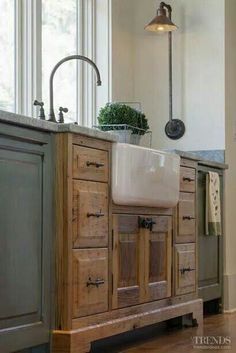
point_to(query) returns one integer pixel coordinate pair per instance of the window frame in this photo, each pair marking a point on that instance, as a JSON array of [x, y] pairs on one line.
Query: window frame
[[28, 57]]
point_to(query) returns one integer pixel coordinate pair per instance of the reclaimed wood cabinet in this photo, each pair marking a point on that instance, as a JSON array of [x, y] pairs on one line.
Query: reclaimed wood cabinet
[[185, 268], [118, 268], [185, 249], [90, 214], [186, 218], [141, 259], [90, 282], [76, 268], [26, 238]]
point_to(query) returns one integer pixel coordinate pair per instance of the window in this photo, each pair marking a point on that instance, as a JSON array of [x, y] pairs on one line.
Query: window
[[40, 33], [59, 39], [7, 50]]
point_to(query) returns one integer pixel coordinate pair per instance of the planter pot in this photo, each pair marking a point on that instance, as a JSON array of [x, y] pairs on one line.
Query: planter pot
[[135, 139], [123, 135]]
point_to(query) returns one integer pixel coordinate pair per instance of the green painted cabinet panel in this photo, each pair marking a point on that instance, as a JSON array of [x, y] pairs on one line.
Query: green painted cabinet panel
[[21, 220], [210, 248], [25, 238], [39, 349]]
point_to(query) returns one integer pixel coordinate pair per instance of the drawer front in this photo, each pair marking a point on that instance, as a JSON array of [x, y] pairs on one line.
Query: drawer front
[[186, 218], [90, 214], [185, 268], [187, 179], [90, 282], [90, 164]]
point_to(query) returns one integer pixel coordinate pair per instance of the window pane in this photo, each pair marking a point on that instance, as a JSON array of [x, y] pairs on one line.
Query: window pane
[[7, 57], [59, 40]]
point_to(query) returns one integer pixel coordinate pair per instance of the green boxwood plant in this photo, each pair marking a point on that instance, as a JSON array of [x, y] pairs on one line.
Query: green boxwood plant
[[116, 114]]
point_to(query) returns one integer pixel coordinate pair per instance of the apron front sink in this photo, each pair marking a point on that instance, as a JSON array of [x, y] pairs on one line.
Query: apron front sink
[[144, 177]]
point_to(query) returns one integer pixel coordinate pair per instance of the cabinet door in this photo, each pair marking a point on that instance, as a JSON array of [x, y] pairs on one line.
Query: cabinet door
[[210, 248], [25, 238], [141, 259], [90, 281], [90, 214], [158, 258], [128, 262], [185, 268]]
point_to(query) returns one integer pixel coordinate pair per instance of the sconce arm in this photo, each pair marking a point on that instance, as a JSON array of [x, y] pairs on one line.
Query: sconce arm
[[167, 6]]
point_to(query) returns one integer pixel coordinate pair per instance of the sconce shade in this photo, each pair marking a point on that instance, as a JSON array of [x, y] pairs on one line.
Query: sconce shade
[[161, 23]]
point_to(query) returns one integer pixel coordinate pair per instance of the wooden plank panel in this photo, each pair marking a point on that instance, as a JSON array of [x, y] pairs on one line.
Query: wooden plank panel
[[63, 249], [126, 261], [188, 163], [132, 310], [116, 209], [158, 255], [90, 164], [90, 266], [75, 341], [185, 268], [187, 179], [87, 141], [90, 214], [186, 219]]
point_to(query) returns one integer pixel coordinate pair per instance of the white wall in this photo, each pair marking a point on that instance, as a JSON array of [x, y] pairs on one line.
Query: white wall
[[198, 63], [230, 185], [204, 86], [122, 51]]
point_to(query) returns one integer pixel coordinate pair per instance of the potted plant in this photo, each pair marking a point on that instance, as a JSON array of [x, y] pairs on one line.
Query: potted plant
[[124, 120]]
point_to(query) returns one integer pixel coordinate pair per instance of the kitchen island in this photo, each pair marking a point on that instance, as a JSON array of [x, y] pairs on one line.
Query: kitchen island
[[76, 267]]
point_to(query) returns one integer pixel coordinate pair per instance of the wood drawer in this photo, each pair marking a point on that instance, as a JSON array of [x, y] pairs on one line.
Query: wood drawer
[[90, 164], [186, 219], [185, 268], [187, 179], [90, 214], [90, 282]]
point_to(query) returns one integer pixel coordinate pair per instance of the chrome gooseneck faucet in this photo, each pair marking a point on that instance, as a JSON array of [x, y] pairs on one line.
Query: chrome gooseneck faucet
[[52, 117]]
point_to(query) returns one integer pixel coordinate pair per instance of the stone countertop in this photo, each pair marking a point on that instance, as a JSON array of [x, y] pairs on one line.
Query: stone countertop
[[201, 160], [91, 132], [37, 124]]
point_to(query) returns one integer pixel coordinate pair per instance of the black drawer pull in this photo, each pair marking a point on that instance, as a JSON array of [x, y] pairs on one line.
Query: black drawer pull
[[95, 164], [96, 214], [188, 218], [188, 179], [188, 269], [96, 283]]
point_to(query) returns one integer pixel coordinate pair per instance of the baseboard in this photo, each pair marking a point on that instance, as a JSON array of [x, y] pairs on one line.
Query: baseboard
[[230, 311], [229, 293], [79, 340]]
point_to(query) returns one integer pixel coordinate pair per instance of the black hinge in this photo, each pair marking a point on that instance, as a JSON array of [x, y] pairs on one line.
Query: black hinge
[[112, 239], [112, 283]]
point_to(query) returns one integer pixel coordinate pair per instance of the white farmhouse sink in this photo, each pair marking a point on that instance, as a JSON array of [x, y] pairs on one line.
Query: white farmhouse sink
[[144, 177]]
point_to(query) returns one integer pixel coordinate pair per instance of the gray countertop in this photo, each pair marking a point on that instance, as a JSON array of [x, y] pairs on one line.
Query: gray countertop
[[201, 160], [37, 124]]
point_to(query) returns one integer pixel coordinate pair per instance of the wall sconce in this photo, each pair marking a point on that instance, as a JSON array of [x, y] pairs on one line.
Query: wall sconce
[[175, 128]]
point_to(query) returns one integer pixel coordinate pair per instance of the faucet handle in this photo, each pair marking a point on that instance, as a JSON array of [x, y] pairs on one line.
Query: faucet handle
[[61, 116], [41, 110]]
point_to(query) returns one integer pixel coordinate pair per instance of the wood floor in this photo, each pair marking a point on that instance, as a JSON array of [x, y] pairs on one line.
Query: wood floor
[[179, 340]]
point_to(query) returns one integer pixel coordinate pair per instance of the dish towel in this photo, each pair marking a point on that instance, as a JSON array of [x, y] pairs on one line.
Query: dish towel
[[213, 206]]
